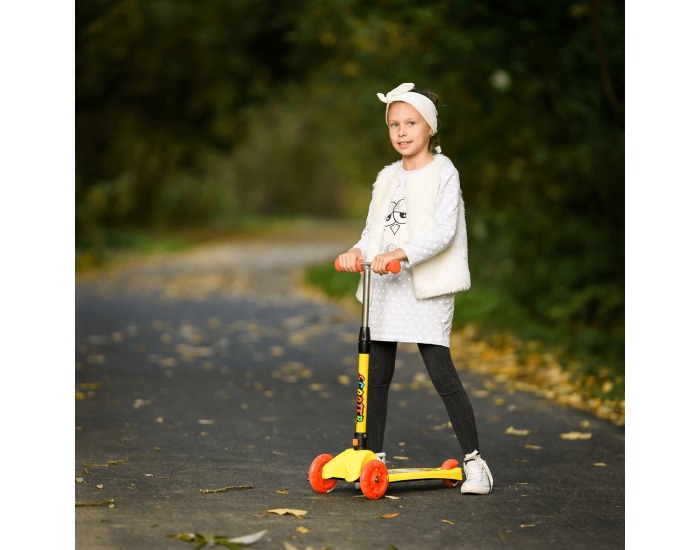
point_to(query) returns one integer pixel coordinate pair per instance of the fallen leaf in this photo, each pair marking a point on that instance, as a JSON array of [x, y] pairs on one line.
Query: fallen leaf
[[576, 435], [108, 463], [513, 431], [229, 488], [249, 539], [212, 540], [205, 421], [601, 464], [79, 480], [526, 525], [109, 502], [390, 497], [282, 492], [289, 546], [389, 516], [303, 530], [535, 447], [100, 486], [299, 514], [400, 458], [447, 521]]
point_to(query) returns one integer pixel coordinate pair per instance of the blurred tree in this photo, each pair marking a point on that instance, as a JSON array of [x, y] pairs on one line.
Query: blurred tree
[[159, 85]]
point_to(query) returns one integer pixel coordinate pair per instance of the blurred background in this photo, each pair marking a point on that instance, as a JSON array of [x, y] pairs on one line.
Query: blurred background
[[214, 114]]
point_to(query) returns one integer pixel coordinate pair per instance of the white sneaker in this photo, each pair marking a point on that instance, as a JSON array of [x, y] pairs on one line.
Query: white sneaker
[[380, 456], [479, 479]]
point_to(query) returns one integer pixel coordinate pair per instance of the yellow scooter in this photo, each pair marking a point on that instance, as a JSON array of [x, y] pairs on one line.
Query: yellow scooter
[[359, 463]]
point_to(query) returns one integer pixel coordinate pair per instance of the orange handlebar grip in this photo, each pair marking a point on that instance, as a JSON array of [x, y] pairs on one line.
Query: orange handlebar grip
[[394, 266]]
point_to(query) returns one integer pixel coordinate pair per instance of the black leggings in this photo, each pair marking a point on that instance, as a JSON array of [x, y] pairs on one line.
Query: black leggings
[[445, 379]]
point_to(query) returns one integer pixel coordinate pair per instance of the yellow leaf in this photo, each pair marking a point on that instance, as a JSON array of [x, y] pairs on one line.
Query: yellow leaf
[[389, 516], [299, 514], [447, 521], [601, 464], [535, 447], [514, 431], [576, 435], [526, 525], [303, 530]]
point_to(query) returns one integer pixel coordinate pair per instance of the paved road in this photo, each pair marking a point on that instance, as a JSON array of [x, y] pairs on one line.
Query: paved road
[[209, 370]]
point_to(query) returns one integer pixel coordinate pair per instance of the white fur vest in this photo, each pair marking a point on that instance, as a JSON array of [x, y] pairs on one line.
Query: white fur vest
[[448, 271]]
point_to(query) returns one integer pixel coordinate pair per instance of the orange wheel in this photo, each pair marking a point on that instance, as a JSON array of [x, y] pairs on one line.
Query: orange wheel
[[319, 484], [374, 479], [448, 465]]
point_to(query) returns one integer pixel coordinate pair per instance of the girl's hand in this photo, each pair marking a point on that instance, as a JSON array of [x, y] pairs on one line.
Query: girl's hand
[[348, 261], [380, 261]]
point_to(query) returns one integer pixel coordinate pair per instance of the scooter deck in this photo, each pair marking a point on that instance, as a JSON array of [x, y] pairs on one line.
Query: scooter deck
[[412, 474]]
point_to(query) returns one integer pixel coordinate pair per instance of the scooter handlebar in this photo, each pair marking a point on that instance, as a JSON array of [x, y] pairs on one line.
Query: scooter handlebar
[[393, 266]]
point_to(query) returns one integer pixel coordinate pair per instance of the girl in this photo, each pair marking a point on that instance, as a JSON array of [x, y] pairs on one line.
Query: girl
[[416, 215]]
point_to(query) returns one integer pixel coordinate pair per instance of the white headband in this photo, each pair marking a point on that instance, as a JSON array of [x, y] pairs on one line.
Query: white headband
[[422, 103]]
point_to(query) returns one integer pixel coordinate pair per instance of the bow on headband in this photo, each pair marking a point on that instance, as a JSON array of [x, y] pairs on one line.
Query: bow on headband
[[422, 103]]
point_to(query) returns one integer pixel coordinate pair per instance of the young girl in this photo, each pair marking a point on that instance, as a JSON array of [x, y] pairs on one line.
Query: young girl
[[416, 215]]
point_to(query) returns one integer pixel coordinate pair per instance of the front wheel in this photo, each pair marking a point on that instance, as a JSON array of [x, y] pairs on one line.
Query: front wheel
[[316, 479], [374, 479], [448, 465]]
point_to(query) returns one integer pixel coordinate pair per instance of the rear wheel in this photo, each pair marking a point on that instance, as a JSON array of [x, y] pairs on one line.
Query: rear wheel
[[448, 465], [316, 479], [374, 479]]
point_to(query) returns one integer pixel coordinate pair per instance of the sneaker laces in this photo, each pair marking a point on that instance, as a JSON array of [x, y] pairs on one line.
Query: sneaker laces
[[482, 471]]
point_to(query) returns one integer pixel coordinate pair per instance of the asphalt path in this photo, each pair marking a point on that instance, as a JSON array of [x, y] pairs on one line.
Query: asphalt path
[[207, 382]]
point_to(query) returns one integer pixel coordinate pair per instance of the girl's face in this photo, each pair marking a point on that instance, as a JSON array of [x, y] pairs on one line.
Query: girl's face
[[408, 130]]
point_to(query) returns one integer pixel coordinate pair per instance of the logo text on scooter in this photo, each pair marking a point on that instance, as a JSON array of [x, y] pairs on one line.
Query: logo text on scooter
[[360, 397]]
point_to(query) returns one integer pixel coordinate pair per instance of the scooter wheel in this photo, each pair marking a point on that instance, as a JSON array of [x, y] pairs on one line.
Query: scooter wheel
[[318, 483], [448, 465], [374, 479]]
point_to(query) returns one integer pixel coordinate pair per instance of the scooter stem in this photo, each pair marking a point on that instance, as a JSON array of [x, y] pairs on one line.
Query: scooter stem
[[359, 440]]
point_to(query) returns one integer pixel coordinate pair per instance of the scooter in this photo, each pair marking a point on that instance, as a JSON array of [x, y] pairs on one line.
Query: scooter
[[359, 463]]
